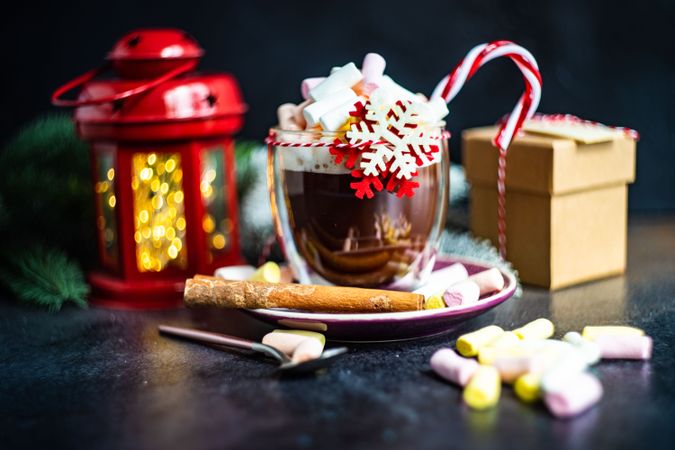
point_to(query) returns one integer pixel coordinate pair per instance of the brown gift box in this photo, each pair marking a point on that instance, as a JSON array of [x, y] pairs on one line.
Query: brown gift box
[[566, 204]]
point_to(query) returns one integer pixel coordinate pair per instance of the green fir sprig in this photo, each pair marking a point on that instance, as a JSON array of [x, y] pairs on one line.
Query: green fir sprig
[[46, 214], [44, 277]]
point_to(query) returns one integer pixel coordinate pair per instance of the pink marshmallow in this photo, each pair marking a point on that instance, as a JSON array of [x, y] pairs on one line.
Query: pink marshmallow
[[488, 281], [373, 68], [307, 350], [511, 367], [308, 84], [625, 347], [286, 116], [462, 293], [450, 366], [575, 397]]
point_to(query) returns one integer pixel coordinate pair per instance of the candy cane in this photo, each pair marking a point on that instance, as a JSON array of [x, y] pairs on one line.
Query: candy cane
[[450, 86]]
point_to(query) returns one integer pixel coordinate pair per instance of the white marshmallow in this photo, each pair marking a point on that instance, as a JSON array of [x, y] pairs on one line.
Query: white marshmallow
[[335, 119], [308, 349], [567, 366], [373, 68], [440, 280], [397, 91], [314, 111], [590, 350], [343, 78], [308, 84], [235, 272], [434, 110], [285, 342]]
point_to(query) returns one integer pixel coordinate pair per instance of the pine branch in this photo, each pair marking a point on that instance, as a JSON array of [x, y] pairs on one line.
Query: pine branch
[[44, 277]]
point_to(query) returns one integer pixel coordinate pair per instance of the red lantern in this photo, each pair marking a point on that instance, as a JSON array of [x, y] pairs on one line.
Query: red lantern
[[163, 167]]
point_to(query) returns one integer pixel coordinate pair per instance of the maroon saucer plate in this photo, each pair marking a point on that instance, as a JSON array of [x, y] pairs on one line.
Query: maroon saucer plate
[[396, 326]]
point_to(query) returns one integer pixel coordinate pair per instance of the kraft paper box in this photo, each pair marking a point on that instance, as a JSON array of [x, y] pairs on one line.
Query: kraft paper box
[[566, 204]]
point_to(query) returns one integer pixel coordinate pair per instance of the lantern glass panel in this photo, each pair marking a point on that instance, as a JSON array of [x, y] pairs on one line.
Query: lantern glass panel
[[159, 211], [216, 223], [106, 203]]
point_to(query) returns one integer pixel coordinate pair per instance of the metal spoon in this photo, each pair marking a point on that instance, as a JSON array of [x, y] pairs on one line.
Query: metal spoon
[[286, 364]]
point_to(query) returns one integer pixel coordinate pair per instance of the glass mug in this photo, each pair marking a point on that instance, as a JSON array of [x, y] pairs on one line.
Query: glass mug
[[329, 236]]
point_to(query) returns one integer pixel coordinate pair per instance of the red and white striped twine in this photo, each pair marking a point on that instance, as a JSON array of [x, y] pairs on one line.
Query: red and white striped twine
[[272, 140], [450, 86], [633, 134]]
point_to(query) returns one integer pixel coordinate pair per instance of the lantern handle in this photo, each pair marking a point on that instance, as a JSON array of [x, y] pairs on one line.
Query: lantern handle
[[87, 76]]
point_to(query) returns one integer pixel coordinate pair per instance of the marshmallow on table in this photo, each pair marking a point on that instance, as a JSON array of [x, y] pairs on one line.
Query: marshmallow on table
[[488, 281], [463, 293], [307, 350], [527, 388], [576, 396], [373, 68], [337, 117], [625, 347], [567, 366], [589, 349], [286, 117], [483, 389], [510, 367], [284, 342], [592, 332], [314, 111], [449, 365], [537, 329], [470, 343], [343, 78], [507, 342], [440, 280], [308, 84], [288, 341]]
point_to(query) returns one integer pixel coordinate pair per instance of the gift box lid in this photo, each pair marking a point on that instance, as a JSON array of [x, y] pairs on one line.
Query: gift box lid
[[549, 165]]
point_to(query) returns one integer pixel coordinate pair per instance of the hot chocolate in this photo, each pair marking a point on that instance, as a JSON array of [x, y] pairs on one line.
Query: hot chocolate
[[360, 242]]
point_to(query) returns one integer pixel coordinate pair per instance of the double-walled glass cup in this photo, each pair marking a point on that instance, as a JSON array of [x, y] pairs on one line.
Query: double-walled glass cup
[[329, 236]]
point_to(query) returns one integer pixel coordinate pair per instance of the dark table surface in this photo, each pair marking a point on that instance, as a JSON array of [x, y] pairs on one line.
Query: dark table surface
[[105, 379]]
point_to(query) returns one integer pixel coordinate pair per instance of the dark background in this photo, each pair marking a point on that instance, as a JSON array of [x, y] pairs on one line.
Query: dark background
[[612, 62]]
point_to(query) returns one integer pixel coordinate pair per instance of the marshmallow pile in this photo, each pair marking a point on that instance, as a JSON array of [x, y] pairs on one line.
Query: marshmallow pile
[[328, 101], [452, 286], [537, 366]]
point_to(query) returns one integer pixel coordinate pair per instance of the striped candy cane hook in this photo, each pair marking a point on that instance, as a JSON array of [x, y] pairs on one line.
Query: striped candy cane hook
[[450, 86]]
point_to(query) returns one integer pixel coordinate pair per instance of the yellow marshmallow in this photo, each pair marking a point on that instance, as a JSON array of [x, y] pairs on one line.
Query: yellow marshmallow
[[592, 332], [537, 329], [269, 272], [483, 389], [527, 387], [508, 339], [506, 343], [434, 302], [470, 343]]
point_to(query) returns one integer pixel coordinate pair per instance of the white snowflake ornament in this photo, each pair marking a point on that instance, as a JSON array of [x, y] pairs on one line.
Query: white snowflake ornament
[[393, 139]]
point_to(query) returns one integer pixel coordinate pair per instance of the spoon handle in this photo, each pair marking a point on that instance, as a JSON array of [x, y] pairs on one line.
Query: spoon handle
[[211, 338]]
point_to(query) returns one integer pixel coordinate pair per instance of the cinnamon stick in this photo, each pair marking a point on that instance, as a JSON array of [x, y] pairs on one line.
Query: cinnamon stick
[[203, 290]]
